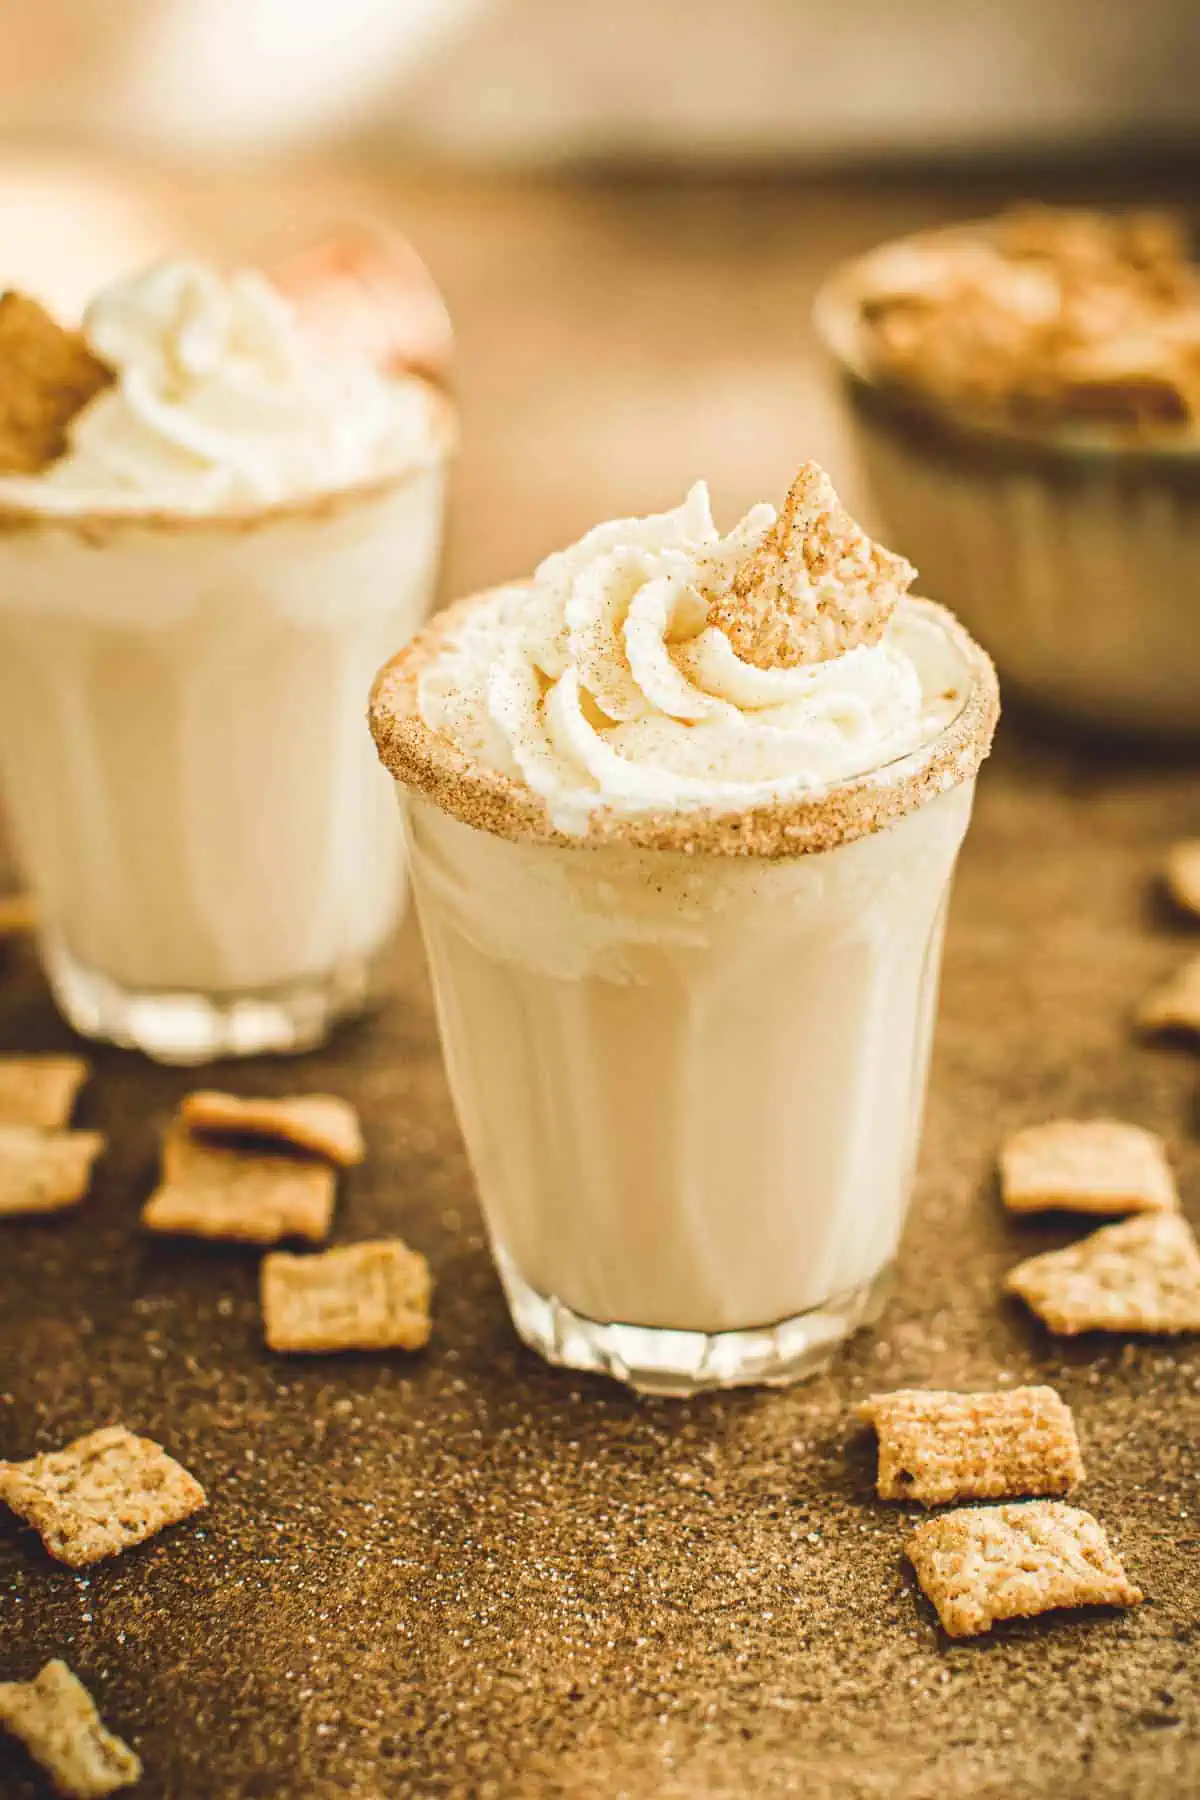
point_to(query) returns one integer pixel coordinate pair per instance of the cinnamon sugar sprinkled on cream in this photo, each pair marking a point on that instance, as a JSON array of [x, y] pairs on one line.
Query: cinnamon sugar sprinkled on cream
[[600, 702]]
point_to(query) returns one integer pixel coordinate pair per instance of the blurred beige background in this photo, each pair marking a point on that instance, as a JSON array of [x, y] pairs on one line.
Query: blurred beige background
[[546, 80]]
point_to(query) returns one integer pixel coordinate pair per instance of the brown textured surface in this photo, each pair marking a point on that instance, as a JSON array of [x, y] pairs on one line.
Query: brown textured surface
[[463, 1574]]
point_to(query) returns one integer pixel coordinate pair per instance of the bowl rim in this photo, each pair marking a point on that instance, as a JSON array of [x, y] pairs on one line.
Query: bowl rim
[[836, 311]]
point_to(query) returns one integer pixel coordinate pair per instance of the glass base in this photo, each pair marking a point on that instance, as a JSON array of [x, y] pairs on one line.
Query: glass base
[[188, 1028], [682, 1363]]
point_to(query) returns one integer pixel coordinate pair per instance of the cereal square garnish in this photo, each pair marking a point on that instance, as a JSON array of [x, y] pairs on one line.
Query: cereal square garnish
[[55, 1718], [39, 1090], [814, 587], [372, 1296], [16, 915], [1182, 874], [224, 1192], [321, 1124], [47, 375], [936, 1447], [1174, 1005], [1140, 1275], [102, 1494], [985, 1563], [44, 1171], [1086, 1165]]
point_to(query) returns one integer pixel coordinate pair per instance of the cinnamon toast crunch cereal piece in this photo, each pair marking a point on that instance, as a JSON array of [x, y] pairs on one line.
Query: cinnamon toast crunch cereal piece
[[1181, 872], [55, 1718], [371, 1296], [814, 587], [47, 375], [1086, 1165], [40, 1090], [100, 1495], [1175, 1004], [984, 1563], [936, 1447], [224, 1192], [44, 1171], [322, 1124], [1140, 1275]]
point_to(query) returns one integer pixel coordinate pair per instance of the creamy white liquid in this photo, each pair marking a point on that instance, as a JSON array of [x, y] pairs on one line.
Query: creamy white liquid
[[690, 1087], [183, 755]]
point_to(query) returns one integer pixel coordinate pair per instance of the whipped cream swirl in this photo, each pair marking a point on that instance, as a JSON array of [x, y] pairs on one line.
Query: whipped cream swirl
[[220, 401], [602, 683]]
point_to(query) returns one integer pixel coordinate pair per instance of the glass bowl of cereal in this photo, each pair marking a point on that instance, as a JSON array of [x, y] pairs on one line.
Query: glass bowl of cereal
[[1025, 393]]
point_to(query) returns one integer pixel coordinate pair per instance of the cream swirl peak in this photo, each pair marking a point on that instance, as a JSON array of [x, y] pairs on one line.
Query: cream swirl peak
[[606, 683], [221, 401]]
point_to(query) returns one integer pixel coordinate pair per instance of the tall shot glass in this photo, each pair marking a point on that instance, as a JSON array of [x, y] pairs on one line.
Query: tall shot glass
[[212, 848], [690, 1078]]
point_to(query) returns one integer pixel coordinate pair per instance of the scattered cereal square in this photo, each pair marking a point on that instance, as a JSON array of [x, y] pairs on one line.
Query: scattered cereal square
[[44, 1171], [1086, 1165], [40, 1090], [1175, 1004], [100, 1495], [321, 1124], [1140, 1275], [55, 1718], [936, 1447], [371, 1296], [224, 1192], [985, 1563]]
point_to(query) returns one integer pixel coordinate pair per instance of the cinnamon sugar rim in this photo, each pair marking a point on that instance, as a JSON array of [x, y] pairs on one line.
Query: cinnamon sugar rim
[[102, 521], [430, 764], [837, 317]]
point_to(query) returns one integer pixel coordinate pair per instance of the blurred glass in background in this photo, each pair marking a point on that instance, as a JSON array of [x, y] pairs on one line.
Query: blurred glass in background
[[544, 80], [621, 333]]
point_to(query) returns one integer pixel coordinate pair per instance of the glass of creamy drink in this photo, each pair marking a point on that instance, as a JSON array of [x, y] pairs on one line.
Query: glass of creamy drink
[[683, 812], [194, 595]]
